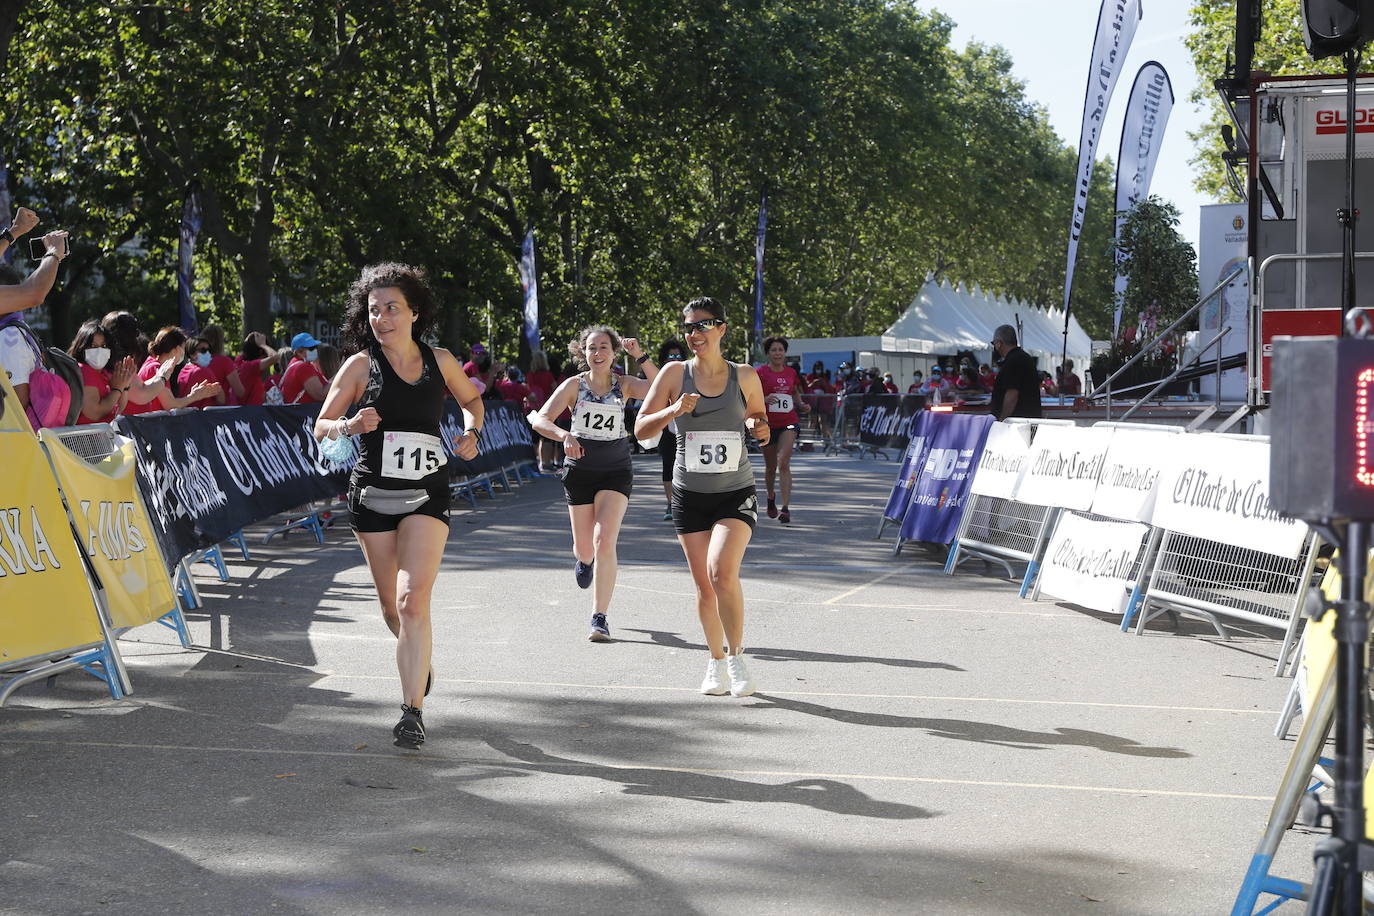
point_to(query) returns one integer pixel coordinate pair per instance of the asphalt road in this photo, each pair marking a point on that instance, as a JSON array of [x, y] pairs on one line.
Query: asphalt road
[[919, 743]]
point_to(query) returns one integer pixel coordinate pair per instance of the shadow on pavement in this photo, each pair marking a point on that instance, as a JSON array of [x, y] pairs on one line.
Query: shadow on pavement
[[673, 641]]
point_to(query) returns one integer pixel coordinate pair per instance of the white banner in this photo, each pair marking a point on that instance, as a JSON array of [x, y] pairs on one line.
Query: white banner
[[1089, 562], [1003, 460], [1116, 25], [1142, 134], [1218, 488], [1065, 462], [1223, 245], [1130, 475]]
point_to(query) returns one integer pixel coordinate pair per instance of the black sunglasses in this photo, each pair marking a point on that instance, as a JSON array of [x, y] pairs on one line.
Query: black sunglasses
[[705, 324], [203, 350]]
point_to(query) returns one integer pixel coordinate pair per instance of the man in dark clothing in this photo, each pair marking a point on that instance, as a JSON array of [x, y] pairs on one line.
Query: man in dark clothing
[[1016, 393]]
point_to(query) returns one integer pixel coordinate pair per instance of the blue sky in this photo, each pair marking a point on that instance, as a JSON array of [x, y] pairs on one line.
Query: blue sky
[[1050, 41]]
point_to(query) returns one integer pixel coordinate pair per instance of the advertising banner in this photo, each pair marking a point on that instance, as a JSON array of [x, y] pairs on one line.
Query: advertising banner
[[912, 462], [1004, 458], [115, 530], [529, 287], [46, 604], [1142, 134], [186, 266], [1116, 24], [953, 445], [1223, 238], [1130, 475], [1089, 562], [1064, 464], [1218, 488], [885, 420]]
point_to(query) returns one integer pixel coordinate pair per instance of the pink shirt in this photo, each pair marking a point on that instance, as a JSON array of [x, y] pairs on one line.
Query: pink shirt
[[786, 383], [98, 379]]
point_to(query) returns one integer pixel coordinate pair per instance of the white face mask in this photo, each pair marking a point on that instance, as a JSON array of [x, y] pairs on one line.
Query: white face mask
[[203, 359], [311, 355], [97, 357]]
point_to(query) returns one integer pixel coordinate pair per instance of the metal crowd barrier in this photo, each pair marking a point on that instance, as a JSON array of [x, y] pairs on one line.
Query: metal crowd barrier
[[1004, 531]]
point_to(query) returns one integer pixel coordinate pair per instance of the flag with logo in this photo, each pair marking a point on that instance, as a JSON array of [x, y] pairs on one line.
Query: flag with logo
[[186, 265], [1142, 134]]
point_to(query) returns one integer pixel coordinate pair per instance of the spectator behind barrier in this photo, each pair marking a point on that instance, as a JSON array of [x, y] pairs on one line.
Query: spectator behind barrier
[[200, 371], [221, 365], [540, 379], [917, 380], [105, 386], [253, 366], [1069, 383], [303, 383], [330, 360], [1016, 393], [986, 377], [165, 353], [127, 342]]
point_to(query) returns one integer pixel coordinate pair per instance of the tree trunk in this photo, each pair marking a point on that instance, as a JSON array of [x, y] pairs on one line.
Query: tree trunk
[[255, 291]]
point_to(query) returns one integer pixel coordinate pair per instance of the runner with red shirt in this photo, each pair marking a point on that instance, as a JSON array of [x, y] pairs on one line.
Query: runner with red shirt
[[782, 392]]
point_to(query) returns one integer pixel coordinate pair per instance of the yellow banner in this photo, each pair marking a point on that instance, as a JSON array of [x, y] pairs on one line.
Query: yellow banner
[[12, 416], [115, 530], [45, 601]]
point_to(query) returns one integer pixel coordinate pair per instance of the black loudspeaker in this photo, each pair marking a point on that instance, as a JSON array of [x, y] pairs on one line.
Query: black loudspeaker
[[1332, 27]]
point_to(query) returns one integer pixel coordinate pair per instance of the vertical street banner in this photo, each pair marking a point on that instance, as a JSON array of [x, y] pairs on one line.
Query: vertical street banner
[[1116, 24], [953, 445], [115, 530], [1142, 134], [758, 269], [186, 265], [46, 605], [529, 285]]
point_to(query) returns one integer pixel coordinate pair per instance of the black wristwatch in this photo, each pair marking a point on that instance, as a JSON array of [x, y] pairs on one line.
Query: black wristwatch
[[6, 235], [644, 358], [476, 434]]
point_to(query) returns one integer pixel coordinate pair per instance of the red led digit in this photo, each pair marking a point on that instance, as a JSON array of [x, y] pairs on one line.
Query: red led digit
[[1364, 385]]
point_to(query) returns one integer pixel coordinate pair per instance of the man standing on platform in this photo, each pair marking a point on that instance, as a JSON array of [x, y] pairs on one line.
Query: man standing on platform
[[1016, 393]]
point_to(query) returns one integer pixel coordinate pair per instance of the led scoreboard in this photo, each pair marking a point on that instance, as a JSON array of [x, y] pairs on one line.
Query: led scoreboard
[[1321, 464]]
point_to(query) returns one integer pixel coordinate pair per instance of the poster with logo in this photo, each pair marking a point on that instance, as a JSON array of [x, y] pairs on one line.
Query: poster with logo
[[46, 604], [1064, 464], [1003, 460], [1090, 562], [1222, 241], [1218, 488], [914, 460], [115, 530], [954, 443], [1130, 475]]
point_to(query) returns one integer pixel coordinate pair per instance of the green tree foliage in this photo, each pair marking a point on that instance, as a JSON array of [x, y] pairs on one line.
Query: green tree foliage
[[1159, 265], [636, 140]]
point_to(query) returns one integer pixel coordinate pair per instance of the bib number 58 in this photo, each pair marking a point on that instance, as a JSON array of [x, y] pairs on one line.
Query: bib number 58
[[714, 454]]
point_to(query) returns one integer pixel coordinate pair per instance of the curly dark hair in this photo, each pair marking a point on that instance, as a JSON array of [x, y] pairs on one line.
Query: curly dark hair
[[413, 284], [123, 336], [672, 343], [576, 346]]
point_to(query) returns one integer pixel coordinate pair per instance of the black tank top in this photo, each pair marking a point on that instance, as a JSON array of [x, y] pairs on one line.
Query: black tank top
[[398, 454]]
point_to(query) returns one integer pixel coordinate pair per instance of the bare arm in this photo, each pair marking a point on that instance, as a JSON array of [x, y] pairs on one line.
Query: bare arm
[[756, 412], [468, 398], [346, 389], [542, 420], [1009, 399], [638, 387], [664, 401]]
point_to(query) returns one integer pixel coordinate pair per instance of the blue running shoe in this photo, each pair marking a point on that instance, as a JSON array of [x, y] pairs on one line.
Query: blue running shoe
[[601, 632], [583, 572]]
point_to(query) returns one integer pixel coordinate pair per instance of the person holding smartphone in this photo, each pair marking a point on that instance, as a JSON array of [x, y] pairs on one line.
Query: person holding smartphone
[[714, 403], [597, 475]]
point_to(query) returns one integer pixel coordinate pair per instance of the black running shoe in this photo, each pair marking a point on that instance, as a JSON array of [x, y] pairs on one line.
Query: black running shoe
[[785, 516], [601, 631], [583, 572], [410, 731], [772, 508]]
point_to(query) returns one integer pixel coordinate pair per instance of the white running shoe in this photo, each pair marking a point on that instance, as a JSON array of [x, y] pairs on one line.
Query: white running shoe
[[717, 682], [741, 684]]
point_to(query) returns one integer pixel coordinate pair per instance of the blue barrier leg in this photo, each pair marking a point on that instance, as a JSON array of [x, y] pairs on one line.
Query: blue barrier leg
[[1029, 578], [215, 557], [176, 620], [1258, 881], [241, 542], [953, 558], [1132, 607]]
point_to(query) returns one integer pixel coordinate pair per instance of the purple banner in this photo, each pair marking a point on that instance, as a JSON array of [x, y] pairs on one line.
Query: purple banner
[[954, 443], [186, 250], [529, 286], [915, 459]]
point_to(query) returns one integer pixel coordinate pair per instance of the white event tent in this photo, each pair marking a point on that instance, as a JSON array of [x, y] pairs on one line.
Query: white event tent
[[943, 320]]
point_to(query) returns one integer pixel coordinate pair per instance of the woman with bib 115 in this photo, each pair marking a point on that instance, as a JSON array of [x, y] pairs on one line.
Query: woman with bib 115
[[398, 494], [715, 403], [597, 476]]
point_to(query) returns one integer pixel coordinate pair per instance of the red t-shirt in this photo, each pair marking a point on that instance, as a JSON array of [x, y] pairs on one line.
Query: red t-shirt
[[779, 390], [147, 371], [192, 375], [513, 391], [294, 379], [98, 379], [250, 376], [221, 366], [541, 385]]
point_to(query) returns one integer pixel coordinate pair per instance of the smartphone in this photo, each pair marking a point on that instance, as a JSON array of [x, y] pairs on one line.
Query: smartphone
[[37, 249]]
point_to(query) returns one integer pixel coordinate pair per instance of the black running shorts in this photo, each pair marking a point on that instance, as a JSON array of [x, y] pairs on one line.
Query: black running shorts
[[693, 511], [777, 431], [369, 521], [581, 486]]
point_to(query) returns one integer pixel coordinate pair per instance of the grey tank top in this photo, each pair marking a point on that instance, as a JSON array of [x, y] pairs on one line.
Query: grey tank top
[[607, 448], [700, 469]]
